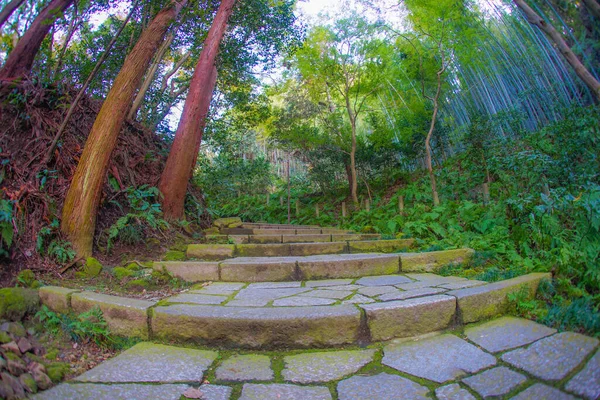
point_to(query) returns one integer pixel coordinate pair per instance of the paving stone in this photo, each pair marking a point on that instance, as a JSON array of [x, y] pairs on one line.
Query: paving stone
[[482, 302], [251, 367], [309, 249], [410, 294], [268, 294], [440, 359], [299, 301], [264, 239], [215, 392], [248, 303], [377, 290], [507, 333], [263, 250], [404, 318], [495, 382], [56, 298], [190, 271], [238, 239], [433, 260], [415, 285], [587, 382], [325, 366], [453, 392], [540, 391], [258, 269], [310, 238], [148, 362], [210, 252], [344, 287], [225, 288], [328, 282], [274, 285], [253, 391], [462, 285], [380, 246], [385, 280], [124, 316], [88, 391], [328, 294], [335, 237], [554, 357], [258, 327], [358, 299], [380, 387], [347, 265], [434, 278], [197, 298]]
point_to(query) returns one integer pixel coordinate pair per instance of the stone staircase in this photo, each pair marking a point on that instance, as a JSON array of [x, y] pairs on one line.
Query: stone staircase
[[344, 301]]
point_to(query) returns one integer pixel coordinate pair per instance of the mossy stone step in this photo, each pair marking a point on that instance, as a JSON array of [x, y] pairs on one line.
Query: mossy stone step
[[283, 231], [224, 251], [301, 238]]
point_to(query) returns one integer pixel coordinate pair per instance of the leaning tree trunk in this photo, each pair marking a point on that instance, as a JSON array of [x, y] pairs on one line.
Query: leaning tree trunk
[[81, 204], [584, 74], [186, 146], [594, 7], [20, 60], [8, 10]]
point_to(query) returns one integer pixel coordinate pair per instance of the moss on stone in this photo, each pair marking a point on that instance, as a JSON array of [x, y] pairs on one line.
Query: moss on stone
[[92, 268], [57, 371], [133, 267], [174, 255], [232, 222], [26, 278], [51, 354], [138, 284], [28, 383], [15, 303], [121, 272]]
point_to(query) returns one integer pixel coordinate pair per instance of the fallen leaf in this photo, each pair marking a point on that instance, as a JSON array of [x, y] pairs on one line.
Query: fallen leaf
[[193, 393]]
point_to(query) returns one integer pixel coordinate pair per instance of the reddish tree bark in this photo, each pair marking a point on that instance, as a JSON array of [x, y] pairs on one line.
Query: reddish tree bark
[[184, 152], [81, 204], [20, 60], [8, 10]]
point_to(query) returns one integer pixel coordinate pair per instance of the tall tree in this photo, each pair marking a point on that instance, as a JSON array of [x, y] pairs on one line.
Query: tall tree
[[184, 152], [20, 60], [582, 72], [8, 10], [82, 200]]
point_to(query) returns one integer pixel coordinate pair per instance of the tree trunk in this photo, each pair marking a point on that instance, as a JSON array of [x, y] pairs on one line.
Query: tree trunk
[[594, 7], [63, 51], [349, 176], [8, 10], [184, 152], [580, 69], [20, 60], [81, 204], [352, 116]]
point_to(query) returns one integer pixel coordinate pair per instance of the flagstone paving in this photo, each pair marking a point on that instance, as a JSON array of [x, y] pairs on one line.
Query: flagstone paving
[[507, 358]]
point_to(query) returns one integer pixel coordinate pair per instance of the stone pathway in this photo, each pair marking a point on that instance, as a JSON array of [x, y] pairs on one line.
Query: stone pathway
[[504, 358]]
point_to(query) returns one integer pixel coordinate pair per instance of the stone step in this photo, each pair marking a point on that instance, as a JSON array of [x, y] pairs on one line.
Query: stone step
[[260, 225], [309, 314], [295, 238], [283, 231], [295, 268], [212, 252]]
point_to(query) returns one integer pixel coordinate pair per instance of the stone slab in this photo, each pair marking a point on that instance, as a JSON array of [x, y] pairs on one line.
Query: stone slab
[[587, 381], [274, 285], [299, 301], [495, 382], [275, 231], [328, 282], [358, 299], [340, 237], [440, 359], [190, 271], [453, 392], [328, 294], [195, 298], [264, 239], [409, 294], [380, 387], [404, 318], [309, 249], [210, 252], [380, 246], [377, 290], [258, 327], [387, 280], [325, 366], [56, 298], [432, 261], [483, 302], [263, 269], [149, 362], [239, 368], [462, 285], [540, 391], [240, 239], [225, 288], [312, 238], [507, 333], [275, 391], [262, 250], [554, 357], [347, 265], [88, 391], [124, 316]]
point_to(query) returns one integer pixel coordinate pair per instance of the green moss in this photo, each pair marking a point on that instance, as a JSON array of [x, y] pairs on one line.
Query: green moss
[[15, 303], [137, 284], [92, 268], [133, 267], [28, 382], [51, 354], [121, 272], [26, 278], [57, 371], [174, 255]]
